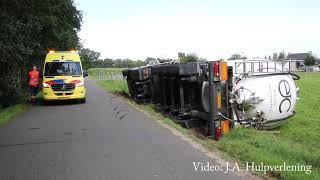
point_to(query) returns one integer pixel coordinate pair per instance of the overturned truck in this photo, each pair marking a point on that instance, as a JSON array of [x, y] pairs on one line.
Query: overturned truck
[[218, 95]]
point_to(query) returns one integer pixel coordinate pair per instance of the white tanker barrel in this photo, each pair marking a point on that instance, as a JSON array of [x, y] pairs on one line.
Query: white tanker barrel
[[267, 100], [264, 101]]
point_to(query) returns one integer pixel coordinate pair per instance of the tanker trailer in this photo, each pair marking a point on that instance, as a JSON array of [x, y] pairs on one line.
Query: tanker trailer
[[214, 95]]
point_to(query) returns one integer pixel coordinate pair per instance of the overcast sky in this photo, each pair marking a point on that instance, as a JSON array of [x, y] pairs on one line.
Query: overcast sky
[[213, 29]]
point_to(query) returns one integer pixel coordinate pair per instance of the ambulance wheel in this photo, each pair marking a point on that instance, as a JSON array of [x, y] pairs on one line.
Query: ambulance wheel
[[44, 102], [83, 100]]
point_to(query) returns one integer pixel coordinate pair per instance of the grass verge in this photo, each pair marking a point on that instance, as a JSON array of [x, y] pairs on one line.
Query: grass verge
[[10, 112], [297, 144], [114, 86]]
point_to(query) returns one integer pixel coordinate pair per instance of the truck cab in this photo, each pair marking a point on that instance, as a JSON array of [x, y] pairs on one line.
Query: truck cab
[[63, 77]]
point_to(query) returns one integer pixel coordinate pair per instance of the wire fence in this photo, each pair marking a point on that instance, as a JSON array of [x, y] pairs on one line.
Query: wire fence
[[103, 75]]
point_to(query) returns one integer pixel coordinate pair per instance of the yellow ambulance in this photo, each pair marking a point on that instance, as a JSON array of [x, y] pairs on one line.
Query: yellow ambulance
[[63, 77]]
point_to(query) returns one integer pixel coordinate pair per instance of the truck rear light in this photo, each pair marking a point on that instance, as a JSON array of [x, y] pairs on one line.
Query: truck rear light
[[216, 69], [218, 133], [225, 126], [224, 71]]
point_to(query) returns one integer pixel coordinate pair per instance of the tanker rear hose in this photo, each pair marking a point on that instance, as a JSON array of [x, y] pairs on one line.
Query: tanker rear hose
[[232, 120]]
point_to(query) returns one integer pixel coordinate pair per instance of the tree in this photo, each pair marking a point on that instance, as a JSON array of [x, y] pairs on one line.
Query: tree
[[281, 55], [310, 60], [275, 56], [88, 57], [235, 56], [149, 59], [183, 58], [139, 63], [108, 63], [203, 59], [28, 29]]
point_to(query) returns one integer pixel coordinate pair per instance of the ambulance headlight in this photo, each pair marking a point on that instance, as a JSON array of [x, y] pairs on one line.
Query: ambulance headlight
[[45, 85], [79, 84]]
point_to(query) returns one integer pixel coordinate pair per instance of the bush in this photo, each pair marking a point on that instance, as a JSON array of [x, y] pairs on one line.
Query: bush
[[310, 60], [10, 95]]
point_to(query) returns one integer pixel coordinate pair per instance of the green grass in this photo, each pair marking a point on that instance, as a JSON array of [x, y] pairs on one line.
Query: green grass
[[119, 86], [298, 141], [304, 127], [10, 112]]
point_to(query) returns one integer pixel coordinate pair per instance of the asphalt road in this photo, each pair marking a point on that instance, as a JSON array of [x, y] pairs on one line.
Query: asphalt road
[[100, 140]]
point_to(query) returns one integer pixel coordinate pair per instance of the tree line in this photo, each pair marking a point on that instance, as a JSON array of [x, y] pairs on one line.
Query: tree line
[[92, 59], [29, 28]]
